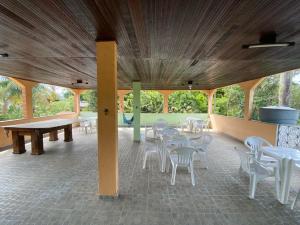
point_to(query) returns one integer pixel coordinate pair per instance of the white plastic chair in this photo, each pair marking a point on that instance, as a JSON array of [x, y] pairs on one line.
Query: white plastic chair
[[245, 157], [257, 171], [184, 125], [169, 131], [254, 144], [182, 157], [201, 146], [168, 143], [199, 126], [94, 125], [150, 148], [84, 125], [158, 126]]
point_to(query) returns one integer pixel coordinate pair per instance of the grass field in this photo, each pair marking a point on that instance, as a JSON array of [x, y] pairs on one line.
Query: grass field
[[149, 118]]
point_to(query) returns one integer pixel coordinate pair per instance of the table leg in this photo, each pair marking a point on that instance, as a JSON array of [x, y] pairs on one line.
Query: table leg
[[37, 147], [18, 143], [53, 136], [68, 133], [285, 176]]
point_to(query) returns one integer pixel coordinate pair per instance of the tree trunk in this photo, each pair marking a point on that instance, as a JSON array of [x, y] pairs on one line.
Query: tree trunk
[[285, 88], [5, 107]]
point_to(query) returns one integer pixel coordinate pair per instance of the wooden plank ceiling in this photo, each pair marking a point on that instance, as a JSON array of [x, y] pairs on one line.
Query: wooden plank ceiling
[[162, 43]]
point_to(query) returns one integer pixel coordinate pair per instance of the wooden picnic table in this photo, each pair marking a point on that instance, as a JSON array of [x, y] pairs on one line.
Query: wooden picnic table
[[36, 131]]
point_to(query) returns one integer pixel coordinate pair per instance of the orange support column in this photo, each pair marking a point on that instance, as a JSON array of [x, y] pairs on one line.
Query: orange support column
[[121, 94], [27, 87], [121, 102], [249, 88], [166, 94], [210, 98], [107, 118], [76, 100], [166, 103]]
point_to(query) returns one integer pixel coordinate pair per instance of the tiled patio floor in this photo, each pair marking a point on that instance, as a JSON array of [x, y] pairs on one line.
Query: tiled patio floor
[[60, 187]]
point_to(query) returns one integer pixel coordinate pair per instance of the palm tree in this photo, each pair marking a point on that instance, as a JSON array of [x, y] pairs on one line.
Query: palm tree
[[10, 94]]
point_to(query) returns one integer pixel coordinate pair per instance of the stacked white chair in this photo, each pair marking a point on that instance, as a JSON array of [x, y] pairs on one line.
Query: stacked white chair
[[199, 126], [182, 157], [257, 171], [254, 143]]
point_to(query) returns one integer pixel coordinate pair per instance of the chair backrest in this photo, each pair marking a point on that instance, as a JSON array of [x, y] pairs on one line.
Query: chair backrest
[[254, 143], [175, 141], [245, 159], [184, 155], [201, 142], [160, 124], [205, 141], [168, 131]]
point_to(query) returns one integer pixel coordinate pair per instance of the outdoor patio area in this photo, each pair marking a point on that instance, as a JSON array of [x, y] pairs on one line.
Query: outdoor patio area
[[60, 187]]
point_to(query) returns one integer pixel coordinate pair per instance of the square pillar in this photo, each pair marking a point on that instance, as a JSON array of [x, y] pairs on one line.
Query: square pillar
[[121, 103], [249, 88], [136, 86], [27, 87], [166, 103], [76, 100], [106, 52], [210, 100]]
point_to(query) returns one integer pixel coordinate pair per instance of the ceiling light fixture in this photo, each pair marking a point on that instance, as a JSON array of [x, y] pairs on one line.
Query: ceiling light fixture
[[3, 55], [268, 40], [190, 84], [80, 83]]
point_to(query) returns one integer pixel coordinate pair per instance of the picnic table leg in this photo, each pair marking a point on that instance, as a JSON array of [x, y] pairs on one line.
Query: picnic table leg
[[68, 133], [37, 146], [18, 143], [286, 173], [53, 135]]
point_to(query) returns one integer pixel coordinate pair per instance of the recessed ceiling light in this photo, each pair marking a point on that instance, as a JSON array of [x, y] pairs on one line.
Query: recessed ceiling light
[[268, 40], [4, 55]]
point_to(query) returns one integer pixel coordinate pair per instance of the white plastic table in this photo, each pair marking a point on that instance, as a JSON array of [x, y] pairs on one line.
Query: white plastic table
[[287, 158]]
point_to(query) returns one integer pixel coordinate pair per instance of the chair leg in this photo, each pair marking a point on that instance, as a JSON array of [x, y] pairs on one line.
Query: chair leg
[[174, 168], [192, 175], [206, 162], [145, 160], [168, 166], [252, 186], [277, 183], [296, 199]]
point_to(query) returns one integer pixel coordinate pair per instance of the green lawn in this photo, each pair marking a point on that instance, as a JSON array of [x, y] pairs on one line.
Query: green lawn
[[149, 118]]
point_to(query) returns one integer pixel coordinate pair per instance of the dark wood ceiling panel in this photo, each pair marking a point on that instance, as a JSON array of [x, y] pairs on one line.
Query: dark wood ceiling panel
[[161, 43]]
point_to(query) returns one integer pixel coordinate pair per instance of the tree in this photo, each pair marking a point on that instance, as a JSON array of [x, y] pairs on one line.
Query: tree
[[229, 101], [188, 102], [285, 88], [10, 99], [51, 100]]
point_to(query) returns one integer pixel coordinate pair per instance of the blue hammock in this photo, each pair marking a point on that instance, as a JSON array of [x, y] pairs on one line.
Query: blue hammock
[[127, 121]]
